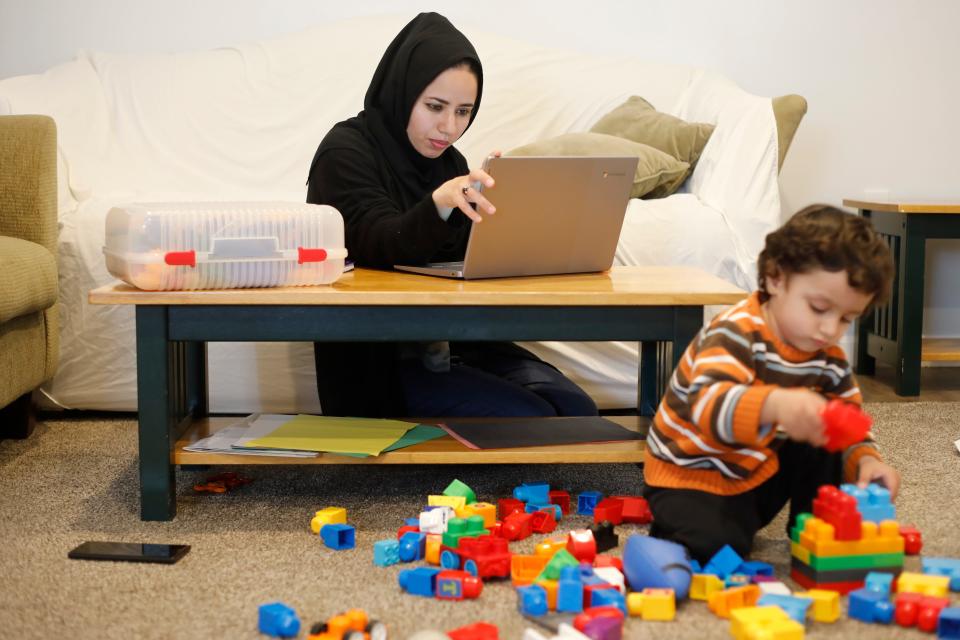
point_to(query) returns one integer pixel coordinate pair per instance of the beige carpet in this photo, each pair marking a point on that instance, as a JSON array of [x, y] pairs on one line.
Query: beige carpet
[[76, 480]]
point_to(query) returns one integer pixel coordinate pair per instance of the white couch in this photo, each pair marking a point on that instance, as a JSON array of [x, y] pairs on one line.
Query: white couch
[[242, 123]]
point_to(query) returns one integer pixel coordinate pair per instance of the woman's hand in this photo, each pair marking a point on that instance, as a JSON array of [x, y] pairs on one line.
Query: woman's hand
[[797, 411], [459, 192], [872, 469]]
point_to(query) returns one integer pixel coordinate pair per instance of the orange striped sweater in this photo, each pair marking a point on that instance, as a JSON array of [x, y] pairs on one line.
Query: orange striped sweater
[[707, 433]]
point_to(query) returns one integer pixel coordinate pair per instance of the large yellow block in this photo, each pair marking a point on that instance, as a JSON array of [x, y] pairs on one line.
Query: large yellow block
[[826, 604], [764, 623], [454, 502], [329, 515], [653, 604], [703, 584], [924, 584]]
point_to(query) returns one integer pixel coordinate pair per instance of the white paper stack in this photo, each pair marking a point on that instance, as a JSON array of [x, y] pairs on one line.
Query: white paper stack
[[232, 439]]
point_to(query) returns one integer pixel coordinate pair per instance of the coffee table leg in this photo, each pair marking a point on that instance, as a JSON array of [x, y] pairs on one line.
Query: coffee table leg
[[648, 395], [155, 399], [910, 325]]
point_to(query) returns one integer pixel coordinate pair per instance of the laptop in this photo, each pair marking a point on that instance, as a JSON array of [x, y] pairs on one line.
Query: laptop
[[554, 215]]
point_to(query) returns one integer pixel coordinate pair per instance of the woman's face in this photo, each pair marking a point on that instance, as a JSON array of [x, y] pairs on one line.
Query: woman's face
[[442, 111]]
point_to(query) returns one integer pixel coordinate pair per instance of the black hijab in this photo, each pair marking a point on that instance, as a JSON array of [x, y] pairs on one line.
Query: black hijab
[[427, 46]]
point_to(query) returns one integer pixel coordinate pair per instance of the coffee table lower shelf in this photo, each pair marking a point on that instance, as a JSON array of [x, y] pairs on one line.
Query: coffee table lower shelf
[[445, 450]]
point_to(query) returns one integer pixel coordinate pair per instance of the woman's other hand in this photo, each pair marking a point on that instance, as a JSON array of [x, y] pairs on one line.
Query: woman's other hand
[[459, 192]]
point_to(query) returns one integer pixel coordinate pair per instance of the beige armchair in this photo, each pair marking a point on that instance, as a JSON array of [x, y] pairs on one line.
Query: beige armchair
[[29, 327]]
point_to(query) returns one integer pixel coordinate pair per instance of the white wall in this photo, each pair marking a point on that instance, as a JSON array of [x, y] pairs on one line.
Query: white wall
[[880, 75]]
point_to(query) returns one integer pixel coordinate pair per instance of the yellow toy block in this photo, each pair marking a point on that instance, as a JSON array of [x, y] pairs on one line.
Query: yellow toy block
[[764, 623], [703, 584], [924, 584], [818, 538], [551, 587], [485, 509], [549, 547], [432, 552], [723, 602], [454, 502], [653, 604], [826, 604], [329, 515]]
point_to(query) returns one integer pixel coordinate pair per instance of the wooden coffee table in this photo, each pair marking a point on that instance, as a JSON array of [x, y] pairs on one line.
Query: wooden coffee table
[[660, 307]]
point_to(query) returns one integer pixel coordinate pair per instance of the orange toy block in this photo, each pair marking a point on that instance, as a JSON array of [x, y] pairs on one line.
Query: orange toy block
[[549, 547], [819, 539], [485, 509], [524, 569], [551, 587], [432, 551], [721, 603]]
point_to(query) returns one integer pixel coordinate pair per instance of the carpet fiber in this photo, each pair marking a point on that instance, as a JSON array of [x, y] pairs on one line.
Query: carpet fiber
[[76, 480]]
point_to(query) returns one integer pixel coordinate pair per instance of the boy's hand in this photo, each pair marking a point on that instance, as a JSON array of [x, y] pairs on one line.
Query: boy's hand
[[797, 412], [872, 469]]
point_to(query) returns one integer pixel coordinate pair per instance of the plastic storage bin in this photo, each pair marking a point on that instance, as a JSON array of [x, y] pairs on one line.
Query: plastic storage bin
[[224, 245]]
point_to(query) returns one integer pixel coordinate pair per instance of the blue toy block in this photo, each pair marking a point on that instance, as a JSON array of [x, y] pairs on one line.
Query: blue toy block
[[795, 607], [278, 620], [723, 562], [413, 546], [754, 568], [532, 600], [537, 492], [588, 576], [338, 536], [695, 566], [532, 507], [873, 502], [421, 581], [879, 582], [413, 522], [609, 598], [869, 606], [944, 567], [586, 501], [386, 552], [737, 580], [570, 591], [948, 625]]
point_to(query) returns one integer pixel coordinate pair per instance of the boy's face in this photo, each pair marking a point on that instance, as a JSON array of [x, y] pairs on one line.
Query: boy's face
[[811, 311]]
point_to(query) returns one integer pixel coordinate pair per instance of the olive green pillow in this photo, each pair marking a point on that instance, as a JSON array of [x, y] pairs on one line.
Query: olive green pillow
[[637, 120], [658, 174]]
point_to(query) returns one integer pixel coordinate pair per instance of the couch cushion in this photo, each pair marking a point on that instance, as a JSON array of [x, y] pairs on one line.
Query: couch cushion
[[658, 174], [28, 278], [637, 120], [789, 111]]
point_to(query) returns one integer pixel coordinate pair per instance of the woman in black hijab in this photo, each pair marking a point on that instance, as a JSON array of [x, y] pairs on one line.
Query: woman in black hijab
[[405, 194]]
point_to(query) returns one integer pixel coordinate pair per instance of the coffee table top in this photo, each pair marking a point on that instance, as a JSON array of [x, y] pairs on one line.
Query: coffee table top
[[906, 205], [627, 286]]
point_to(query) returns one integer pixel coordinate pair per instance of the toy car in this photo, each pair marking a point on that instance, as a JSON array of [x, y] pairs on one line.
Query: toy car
[[483, 556], [350, 625]]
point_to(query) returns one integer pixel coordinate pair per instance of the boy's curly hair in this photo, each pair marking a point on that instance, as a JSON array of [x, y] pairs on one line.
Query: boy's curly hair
[[824, 237]]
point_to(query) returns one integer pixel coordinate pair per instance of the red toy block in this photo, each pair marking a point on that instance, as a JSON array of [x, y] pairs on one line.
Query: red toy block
[[517, 526], [561, 499], [457, 585], [844, 424], [495, 530], [507, 506], [476, 631], [582, 545], [916, 609], [610, 509], [592, 613], [912, 540], [635, 509], [609, 561], [407, 528], [543, 521], [838, 509]]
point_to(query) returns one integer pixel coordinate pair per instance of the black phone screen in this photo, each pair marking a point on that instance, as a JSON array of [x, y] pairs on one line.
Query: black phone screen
[[129, 551]]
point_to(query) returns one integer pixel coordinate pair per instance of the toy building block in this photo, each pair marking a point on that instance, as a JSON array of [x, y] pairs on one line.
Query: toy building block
[[703, 584], [431, 548], [507, 506], [821, 578], [386, 553], [608, 598], [600, 622], [413, 546], [810, 584], [873, 503], [826, 604], [435, 520], [524, 569], [610, 509], [737, 580], [755, 568], [721, 603], [338, 536], [795, 606], [948, 625], [278, 620], [913, 609], [408, 528], [774, 587], [818, 538], [652, 604], [570, 591], [869, 606], [457, 585], [559, 560], [542, 521], [536, 492], [613, 576], [457, 488], [769, 623], [844, 424], [532, 600], [605, 536], [636, 510], [723, 562], [841, 562], [550, 546], [484, 509], [924, 584], [760, 579], [586, 501], [838, 509], [328, 515], [879, 582], [352, 623], [912, 540], [458, 528], [517, 526], [561, 499], [608, 561], [222, 482], [550, 587], [475, 631], [483, 556], [421, 581], [533, 507], [944, 567], [581, 544]]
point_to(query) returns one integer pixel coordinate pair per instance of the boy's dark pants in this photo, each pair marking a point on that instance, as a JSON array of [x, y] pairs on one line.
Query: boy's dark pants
[[704, 522]]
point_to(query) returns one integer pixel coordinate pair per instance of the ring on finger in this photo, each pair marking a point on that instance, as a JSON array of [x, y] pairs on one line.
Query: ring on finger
[[464, 190]]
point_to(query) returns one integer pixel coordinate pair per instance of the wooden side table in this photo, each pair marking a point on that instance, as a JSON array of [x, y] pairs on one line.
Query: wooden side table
[[893, 333]]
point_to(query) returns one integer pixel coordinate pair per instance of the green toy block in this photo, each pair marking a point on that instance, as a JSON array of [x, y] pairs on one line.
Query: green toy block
[[839, 563], [463, 528], [560, 559], [457, 488], [798, 526]]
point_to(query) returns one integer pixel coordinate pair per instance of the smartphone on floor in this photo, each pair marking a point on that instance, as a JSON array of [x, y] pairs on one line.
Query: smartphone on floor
[[129, 552]]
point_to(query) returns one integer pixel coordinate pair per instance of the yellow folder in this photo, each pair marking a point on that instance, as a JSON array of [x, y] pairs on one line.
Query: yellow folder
[[335, 434]]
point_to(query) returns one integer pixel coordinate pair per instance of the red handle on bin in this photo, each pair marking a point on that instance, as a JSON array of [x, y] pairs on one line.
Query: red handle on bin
[[181, 258], [310, 255]]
